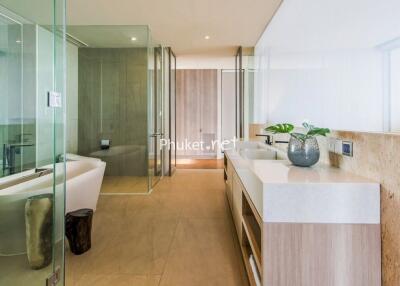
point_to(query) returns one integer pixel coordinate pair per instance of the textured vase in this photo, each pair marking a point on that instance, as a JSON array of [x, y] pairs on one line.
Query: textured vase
[[303, 153], [39, 230]]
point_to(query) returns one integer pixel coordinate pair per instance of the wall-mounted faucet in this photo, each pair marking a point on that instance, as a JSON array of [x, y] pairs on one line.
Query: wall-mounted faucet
[[9, 152], [269, 139]]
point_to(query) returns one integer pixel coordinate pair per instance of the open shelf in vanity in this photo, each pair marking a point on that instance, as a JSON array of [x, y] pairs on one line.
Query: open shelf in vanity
[[251, 233], [251, 240]]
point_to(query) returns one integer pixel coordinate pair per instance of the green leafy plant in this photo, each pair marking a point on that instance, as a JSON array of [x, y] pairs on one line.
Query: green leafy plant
[[280, 128], [311, 130]]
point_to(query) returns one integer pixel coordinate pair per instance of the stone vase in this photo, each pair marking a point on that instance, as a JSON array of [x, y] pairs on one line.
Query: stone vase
[[39, 230]]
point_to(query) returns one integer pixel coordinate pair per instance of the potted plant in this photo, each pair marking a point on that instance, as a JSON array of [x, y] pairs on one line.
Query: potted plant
[[303, 148]]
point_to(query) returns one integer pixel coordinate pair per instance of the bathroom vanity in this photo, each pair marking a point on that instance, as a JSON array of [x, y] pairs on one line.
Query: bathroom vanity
[[302, 226]]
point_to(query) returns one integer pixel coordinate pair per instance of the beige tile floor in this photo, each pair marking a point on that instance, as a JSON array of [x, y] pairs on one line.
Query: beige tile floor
[[124, 184], [180, 234]]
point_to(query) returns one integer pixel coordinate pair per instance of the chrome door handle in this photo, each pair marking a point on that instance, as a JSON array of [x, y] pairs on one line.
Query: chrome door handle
[[156, 134]]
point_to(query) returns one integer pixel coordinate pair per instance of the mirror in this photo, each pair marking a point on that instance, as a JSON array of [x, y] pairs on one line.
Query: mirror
[[333, 63]]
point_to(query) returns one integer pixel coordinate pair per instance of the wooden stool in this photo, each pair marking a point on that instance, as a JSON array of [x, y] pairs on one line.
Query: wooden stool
[[78, 229]]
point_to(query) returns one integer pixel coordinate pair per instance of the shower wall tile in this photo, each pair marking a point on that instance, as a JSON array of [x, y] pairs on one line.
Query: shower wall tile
[[113, 105]]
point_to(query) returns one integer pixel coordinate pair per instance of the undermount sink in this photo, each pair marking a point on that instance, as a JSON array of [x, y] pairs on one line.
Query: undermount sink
[[258, 154]]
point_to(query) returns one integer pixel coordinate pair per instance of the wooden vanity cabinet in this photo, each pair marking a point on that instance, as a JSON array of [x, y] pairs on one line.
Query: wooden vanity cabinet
[[228, 182], [237, 204], [302, 254]]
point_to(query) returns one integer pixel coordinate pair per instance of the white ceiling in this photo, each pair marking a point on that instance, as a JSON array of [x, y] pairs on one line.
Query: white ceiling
[[183, 24]]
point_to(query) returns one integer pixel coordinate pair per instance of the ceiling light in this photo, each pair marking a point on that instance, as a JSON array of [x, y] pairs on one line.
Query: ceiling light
[[133, 39], [207, 37]]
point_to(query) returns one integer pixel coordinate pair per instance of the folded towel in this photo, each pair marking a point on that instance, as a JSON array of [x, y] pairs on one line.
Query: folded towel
[[254, 269]]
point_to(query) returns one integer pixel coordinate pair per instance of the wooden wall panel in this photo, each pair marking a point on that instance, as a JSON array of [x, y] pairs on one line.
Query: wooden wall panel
[[196, 100]]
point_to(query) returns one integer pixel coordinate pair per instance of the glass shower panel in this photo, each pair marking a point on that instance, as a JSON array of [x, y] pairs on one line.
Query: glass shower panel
[[248, 94], [11, 127], [244, 89], [59, 138], [32, 183]]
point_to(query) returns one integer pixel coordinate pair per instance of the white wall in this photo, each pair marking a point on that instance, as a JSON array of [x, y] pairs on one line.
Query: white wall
[[395, 91], [321, 62]]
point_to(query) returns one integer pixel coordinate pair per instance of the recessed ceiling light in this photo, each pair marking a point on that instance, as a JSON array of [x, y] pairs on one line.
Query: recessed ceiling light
[[207, 37], [133, 39]]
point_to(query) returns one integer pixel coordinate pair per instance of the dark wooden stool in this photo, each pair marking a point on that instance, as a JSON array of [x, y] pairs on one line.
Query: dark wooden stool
[[78, 229]]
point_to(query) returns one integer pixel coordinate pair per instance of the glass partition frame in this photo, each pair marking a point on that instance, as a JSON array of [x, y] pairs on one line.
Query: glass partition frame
[[172, 111]]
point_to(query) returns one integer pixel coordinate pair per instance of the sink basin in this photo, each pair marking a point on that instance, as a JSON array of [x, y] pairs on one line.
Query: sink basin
[[258, 154]]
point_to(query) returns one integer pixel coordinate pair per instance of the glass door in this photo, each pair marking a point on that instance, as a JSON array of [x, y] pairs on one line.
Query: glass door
[[172, 111], [32, 181], [155, 117], [169, 150], [239, 94]]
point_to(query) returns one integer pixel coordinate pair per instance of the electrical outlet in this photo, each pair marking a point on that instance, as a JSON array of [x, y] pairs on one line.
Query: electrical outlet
[[347, 148]]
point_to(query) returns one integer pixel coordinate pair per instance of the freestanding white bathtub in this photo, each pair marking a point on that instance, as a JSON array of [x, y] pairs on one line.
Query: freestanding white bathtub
[[83, 182]]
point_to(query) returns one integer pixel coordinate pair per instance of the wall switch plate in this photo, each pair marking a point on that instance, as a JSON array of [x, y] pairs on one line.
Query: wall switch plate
[[54, 99], [347, 148], [331, 144], [339, 147]]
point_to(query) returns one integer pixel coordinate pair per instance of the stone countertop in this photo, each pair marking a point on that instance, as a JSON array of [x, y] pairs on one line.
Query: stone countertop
[[282, 192]]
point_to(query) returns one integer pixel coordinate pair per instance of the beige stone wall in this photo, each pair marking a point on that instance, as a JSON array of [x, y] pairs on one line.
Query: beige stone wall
[[376, 156]]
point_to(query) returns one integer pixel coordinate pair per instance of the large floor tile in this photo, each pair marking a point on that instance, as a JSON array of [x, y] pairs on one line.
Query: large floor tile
[[180, 234]]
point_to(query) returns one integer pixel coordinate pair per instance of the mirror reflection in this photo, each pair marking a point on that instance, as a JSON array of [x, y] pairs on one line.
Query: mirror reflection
[[333, 63]]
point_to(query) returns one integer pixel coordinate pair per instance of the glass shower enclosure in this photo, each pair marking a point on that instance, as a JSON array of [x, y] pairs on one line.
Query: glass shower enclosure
[[120, 104], [32, 111]]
